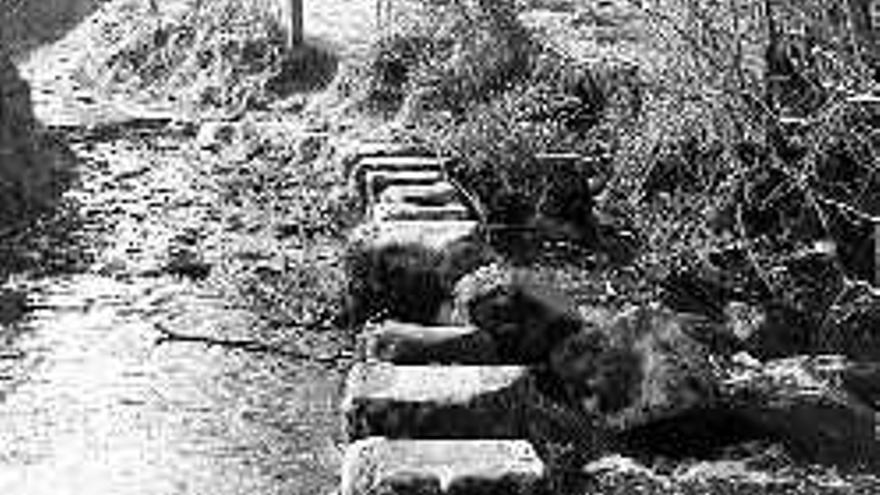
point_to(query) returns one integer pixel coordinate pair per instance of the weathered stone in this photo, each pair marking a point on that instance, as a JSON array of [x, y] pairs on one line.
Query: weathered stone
[[459, 401], [407, 343], [474, 284], [401, 281], [403, 211], [461, 467], [376, 181], [430, 234], [637, 367], [526, 320], [403, 273], [804, 402], [358, 176], [355, 153], [399, 163], [438, 194]]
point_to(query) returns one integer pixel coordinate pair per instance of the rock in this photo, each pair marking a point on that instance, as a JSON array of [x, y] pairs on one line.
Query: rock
[[439, 194], [405, 270], [405, 343], [465, 256], [391, 165], [374, 182], [453, 402], [804, 402], [526, 320], [382, 212], [481, 281], [637, 367], [356, 152], [402, 281], [431, 235], [462, 467]]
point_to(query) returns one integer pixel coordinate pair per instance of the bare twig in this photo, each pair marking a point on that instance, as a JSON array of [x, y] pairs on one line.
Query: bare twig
[[168, 335]]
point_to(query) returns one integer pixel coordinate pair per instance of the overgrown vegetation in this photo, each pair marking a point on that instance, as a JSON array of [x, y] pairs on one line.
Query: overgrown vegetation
[[228, 54], [710, 170]]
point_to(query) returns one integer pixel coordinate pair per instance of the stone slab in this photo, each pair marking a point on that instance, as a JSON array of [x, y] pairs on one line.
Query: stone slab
[[376, 181], [400, 162], [439, 194], [434, 401], [430, 234], [460, 467], [353, 154], [410, 343], [359, 171], [404, 211]]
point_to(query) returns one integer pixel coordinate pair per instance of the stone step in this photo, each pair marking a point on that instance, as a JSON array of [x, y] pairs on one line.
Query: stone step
[[430, 234], [461, 467], [377, 181], [413, 344], [404, 211], [439, 194], [453, 402], [357, 152], [390, 164], [399, 162]]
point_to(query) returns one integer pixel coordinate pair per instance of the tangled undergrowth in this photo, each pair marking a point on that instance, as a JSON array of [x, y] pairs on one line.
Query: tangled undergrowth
[[727, 193], [710, 175], [228, 54]]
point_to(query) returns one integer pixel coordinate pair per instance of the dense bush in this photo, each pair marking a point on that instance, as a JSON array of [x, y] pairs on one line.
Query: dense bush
[[474, 80], [707, 168], [226, 53]]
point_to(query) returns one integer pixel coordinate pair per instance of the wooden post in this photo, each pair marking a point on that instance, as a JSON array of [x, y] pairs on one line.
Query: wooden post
[[293, 19]]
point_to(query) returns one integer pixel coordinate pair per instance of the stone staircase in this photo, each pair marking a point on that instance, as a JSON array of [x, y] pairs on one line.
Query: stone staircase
[[430, 409]]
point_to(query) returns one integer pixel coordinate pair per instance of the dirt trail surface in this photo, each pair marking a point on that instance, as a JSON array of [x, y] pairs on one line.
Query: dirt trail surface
[[92, 401]]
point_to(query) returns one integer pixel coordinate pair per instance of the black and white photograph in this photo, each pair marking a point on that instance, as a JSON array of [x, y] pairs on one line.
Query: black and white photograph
[[439, 247]]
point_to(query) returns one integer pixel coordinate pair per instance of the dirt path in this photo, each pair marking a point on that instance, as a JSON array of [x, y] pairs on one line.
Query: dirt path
[[90, 403], [100, 409], [94, 405]]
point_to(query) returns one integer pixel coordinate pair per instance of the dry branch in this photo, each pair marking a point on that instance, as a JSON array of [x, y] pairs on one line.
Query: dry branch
[[168, 335]]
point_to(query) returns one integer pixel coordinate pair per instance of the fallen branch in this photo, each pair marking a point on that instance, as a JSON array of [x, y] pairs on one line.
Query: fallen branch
[[168, 335]]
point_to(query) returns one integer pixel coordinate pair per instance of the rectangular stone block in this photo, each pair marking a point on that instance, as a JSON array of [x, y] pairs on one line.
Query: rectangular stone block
[[404, 211], [431, 234], [355, 153], [437, 467], [401, 162], [410, 343], [460, 401], [357, 177], [376, 181], [438, 194]]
